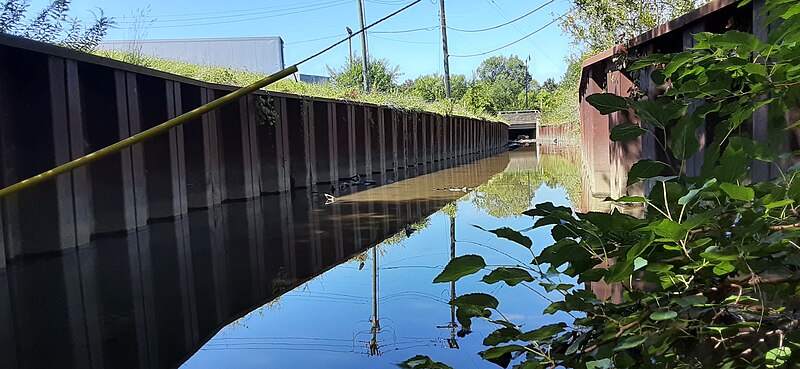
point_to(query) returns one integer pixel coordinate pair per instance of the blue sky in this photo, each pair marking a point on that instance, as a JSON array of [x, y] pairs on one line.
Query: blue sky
[[307, 26]]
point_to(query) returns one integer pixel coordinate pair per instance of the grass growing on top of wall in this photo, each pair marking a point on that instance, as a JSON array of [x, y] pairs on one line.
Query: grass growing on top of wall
[[225, 76]]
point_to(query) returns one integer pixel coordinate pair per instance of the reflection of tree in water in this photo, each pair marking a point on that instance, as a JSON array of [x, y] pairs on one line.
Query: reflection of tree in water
[[507, 194], [510, 193], [564, 170]]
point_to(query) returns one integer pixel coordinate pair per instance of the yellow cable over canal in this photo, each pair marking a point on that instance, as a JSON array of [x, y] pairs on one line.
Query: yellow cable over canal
[[148, 134]]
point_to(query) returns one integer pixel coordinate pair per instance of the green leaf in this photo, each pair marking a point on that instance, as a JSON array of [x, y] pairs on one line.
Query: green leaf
[[460, 267], [501, 355], [501, 335], [778, 204], [422, 362], [465, 314], [512, 276], [663, 315], [689, 301], [599, 364], [511, 235], [657, 113], [644, 169], [691, 195], [678, 61], [641, 245], [745, 41], [778, 356], [626, 132], [607, 103], [639, 263], [480, 300], [549, 287], [684, 142], [544, 333], [724, 268], [670, 229], [629, 342], [738, 192], [628, 199]]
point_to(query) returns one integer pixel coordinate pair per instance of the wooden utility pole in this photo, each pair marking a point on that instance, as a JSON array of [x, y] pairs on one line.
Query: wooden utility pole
[[364, 61], [446, 54]]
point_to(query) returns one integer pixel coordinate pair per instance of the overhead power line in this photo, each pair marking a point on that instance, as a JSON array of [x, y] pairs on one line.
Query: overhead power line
[[244, 13], [272, 15], [514, 42], [506, 23], [432, 28]]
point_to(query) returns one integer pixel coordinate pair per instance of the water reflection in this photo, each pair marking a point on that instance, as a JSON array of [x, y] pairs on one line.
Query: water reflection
[[381, 308], [290, 281], [152, 298]]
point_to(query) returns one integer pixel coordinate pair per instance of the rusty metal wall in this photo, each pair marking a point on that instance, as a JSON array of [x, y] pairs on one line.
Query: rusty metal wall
[[607, 163], [57, 105]]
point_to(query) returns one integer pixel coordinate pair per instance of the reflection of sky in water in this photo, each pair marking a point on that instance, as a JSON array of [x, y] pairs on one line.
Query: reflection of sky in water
[[325, 323]]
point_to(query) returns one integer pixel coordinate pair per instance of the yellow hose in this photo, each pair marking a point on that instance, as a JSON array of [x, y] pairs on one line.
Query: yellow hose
[[148, 134]]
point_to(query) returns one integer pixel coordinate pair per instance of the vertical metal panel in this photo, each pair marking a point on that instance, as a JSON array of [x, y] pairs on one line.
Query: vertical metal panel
[[269, 147], [375, 141], [137, 151], [129, 204], [245, 110], [80, 180], [200, 163], [695, 163], [322, 142], [297, 139], [383, 142], [351, 140], [253, 107], [310, 140], [333, 142], [396, 139], [282, 143], [60, 138], [761, 171], [175, 108], [415, 152], [343, 141], [211, 139]]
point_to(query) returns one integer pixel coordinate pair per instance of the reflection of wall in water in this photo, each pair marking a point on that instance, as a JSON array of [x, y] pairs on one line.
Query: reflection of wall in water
[[151, 298]]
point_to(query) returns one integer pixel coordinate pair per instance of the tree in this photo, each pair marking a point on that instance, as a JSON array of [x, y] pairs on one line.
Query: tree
[[561, 104], [550, 85], [710, 270], [501, 68], [596, 25], [382, 76], [431, 87], [52, 25], [499, 82]]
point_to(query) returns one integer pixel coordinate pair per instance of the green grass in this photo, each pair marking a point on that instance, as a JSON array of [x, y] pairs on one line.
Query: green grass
[[396, 99]]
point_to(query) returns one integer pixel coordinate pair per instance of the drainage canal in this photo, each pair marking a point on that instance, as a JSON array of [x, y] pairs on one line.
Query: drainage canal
[[307, 279]]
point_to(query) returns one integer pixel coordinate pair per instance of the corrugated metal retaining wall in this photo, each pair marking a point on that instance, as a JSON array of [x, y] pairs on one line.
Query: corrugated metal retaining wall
[[57, 105], [607, 163]]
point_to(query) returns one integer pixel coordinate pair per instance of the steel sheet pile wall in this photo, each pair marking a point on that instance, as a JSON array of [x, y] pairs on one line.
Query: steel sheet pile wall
[[57, 105], [607, 163]]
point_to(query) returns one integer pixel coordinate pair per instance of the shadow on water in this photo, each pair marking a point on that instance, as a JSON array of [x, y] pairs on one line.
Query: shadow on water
[[153, 298]]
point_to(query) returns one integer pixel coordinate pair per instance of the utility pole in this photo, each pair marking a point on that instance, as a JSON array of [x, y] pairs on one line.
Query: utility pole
[[350, 44], [527, 81], [374, 348], [364, 62], [446, 54]]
